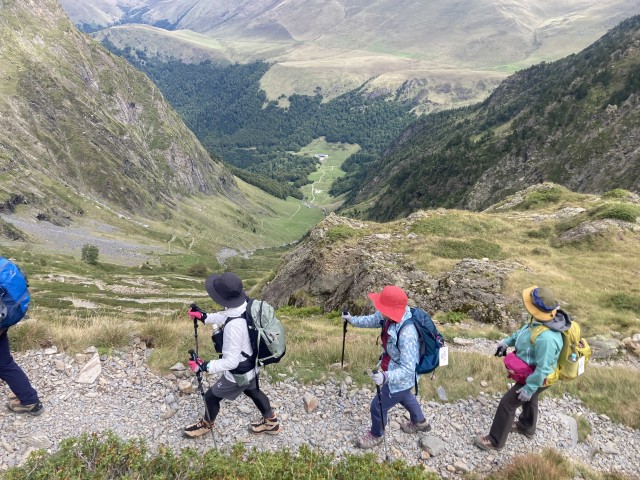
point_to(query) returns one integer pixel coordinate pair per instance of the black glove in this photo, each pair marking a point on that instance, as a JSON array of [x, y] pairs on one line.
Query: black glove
[[196, 312], [501, 351]]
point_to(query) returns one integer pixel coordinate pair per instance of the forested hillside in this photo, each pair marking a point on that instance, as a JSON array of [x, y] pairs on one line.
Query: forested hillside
[[575, 122], [229, 113]]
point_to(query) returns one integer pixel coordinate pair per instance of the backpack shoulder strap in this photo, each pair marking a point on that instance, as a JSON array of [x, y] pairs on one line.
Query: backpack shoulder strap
[[536, 331], [408, 321]]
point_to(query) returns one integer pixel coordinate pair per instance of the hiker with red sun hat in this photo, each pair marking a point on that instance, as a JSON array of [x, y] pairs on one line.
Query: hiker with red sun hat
[[396, 370]]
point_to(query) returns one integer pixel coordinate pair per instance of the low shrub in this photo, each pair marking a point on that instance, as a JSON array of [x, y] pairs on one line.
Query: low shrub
[[340, 232], [624, 301], [549, 465], [616, 194], [198, 270], [93, 456], [544, 196], [475, 248], [626, 212], [584, 427], [453, 317], [90, 254], [543, 232]]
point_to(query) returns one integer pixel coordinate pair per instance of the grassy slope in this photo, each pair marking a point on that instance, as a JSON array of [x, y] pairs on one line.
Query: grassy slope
[[318, 192]]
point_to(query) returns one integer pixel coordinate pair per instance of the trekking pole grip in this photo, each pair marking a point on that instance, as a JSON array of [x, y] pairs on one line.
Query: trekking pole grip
[[374, 371]]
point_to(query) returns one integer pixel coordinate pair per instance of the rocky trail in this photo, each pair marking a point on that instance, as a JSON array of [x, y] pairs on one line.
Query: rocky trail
[[92, 393]]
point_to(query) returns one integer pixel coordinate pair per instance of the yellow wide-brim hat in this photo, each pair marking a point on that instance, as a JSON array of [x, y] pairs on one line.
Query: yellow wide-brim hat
[[540, 303]]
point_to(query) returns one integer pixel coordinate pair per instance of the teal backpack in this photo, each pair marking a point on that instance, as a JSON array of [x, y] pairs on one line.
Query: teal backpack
[[14, 291]]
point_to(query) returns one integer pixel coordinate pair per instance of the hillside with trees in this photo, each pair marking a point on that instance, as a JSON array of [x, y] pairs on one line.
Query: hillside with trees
[[230, 114], [574, 122]]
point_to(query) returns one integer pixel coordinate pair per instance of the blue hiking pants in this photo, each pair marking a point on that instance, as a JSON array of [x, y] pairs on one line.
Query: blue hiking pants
[[13, 375], [405, 398]]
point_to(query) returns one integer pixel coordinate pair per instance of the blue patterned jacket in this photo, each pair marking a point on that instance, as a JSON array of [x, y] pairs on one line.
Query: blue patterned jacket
[[404, 352]]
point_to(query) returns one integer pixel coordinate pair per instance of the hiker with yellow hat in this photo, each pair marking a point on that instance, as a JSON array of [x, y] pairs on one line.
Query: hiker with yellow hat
[[528, 366], [395, 374]]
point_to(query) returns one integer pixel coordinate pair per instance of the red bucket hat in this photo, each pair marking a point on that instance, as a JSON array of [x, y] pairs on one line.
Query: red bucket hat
[[391, 302]]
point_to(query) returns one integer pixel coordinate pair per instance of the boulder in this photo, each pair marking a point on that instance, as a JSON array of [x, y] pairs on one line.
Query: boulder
[[603, 347]]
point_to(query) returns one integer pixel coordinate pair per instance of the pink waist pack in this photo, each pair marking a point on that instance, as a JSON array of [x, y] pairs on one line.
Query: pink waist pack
[[517, 369]]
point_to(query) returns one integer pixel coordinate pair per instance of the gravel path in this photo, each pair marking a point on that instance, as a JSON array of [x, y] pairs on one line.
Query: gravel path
[[128, 398]]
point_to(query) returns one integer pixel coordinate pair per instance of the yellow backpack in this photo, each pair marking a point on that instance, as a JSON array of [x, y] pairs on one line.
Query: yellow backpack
[[574, 355]]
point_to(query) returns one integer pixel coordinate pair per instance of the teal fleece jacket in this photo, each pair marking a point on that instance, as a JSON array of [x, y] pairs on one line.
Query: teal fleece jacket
[[544, 353]]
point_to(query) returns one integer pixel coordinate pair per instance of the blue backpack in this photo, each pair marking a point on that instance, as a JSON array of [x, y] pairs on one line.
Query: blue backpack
[[14, 292], [431, 340]]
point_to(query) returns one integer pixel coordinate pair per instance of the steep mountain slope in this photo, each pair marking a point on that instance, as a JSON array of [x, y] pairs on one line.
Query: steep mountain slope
[[90, 152], [78, 116], [575, 122], [458, 50]]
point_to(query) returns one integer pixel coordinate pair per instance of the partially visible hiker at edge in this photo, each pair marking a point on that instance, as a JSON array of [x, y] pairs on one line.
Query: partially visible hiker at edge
[[24, 398], [396, 369], [528, 366], [238, 362], [15, 297]]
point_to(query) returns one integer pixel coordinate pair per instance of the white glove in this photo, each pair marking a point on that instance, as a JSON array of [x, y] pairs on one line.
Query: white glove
[[379, 378], [347, 317], [523, 395]]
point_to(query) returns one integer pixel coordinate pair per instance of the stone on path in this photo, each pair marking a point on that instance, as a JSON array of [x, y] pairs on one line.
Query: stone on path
[[185, 386], [432, 444], [442, 395], [572, 427], [91, 370], [310, 402], [38, 441]]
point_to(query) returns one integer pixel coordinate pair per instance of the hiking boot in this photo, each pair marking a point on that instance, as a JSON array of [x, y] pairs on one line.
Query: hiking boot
[[518, 428], [265, 425], [16, 406], [484, 443], [368, 440], [198, 429], [413, 427]]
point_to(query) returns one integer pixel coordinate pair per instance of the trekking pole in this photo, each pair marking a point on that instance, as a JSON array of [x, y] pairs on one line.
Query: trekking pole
[[194, 356], [384, 437], [344, 337]]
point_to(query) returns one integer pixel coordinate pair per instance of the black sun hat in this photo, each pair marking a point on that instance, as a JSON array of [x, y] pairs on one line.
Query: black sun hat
[[226, 289]]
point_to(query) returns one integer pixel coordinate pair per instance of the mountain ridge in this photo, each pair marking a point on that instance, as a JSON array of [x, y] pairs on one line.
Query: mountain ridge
[[313, 43]]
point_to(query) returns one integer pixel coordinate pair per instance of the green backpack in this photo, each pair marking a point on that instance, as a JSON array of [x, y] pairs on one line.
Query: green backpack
[[266, 333], [574, 355]]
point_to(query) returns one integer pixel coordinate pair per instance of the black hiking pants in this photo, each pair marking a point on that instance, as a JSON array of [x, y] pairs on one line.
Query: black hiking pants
[[506, 414]]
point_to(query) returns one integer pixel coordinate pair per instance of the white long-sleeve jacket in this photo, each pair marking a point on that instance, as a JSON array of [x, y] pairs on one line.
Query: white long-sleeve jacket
[[235, 340]]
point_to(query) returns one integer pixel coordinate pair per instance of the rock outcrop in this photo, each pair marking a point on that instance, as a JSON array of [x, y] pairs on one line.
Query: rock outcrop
[[343, 259]]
